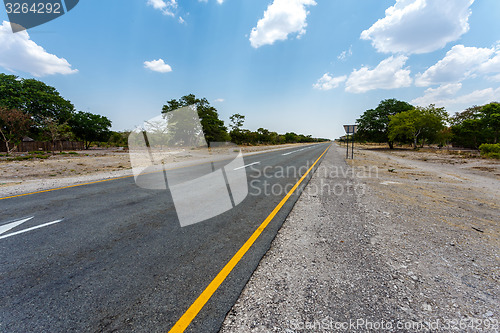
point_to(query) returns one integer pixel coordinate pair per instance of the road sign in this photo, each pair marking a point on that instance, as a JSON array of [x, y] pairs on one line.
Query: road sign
[[350, 129]]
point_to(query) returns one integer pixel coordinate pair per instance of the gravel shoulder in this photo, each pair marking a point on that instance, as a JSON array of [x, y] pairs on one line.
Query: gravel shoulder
[[391, 241]]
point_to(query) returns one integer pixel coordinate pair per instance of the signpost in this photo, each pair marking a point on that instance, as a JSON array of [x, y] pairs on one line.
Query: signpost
[[350, 130]]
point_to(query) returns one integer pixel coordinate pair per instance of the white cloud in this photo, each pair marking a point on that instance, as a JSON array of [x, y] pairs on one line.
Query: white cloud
[[220, 2], [449, 99], [282, 18], [166, 7], [477, 97], [327, 82], [495, 78], [419, 26], [219, 100], [345, 54], [492, 65], [389, 74], [435, 95], [19, 53], [158, 66], [459, 63]]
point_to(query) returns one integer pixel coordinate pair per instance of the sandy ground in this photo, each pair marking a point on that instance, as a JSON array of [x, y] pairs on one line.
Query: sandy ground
[[417, 245], [59, 170]]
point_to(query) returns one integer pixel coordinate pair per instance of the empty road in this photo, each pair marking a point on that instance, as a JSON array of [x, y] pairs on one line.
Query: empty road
[[112, 256]]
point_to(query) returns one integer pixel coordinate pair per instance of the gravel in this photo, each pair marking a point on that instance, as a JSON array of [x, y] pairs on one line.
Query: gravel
[[384, 243]]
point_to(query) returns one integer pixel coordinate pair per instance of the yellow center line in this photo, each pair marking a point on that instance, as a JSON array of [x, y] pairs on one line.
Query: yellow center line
[[200, 302]]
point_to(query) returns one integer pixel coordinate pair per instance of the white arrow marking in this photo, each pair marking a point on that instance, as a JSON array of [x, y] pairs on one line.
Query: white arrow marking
[[29, 229], [8, 226]]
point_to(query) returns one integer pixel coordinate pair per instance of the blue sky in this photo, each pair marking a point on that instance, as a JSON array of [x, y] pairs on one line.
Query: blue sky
[[307, 66]]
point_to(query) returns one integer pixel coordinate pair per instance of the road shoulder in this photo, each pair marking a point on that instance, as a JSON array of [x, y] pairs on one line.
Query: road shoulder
[[356, 252]]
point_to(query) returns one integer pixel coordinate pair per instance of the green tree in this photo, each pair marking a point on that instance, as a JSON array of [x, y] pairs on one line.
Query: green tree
[[237, 135], [491, 119], [473, 112], [274, 138], [55, 131], [35, 98], [476, 125], [263, 135], [90, 127], [213, 128], [422, 123], [11, 92], [183, 128], [373, 125], [467, 128], [119, 139], [291, 137], [237, 121], [14, 124]]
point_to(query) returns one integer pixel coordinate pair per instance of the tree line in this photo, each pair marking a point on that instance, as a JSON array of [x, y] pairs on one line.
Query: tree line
[[215, 130], [394, 121], [31, 108]]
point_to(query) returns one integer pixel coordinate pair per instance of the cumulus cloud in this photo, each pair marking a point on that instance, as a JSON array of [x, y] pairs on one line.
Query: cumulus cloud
[[445, 96], [389, 74], [419, 26], [158, 66], [458, 64], [491, 66], [328, 82], [166, 7], [436, 95], [19, 53], [477, 97], [282, 18]]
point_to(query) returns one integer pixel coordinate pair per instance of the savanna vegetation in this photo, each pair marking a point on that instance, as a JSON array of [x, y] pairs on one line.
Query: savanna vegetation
[[394, 121]]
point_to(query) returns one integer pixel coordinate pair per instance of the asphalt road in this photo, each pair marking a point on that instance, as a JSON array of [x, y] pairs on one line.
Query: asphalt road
[[112, 256]]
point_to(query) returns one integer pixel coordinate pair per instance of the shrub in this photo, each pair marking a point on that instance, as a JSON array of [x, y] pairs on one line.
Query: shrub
[[490, 150]]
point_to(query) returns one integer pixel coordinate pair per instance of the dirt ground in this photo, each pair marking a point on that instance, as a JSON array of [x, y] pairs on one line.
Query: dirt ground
[[438, 220]]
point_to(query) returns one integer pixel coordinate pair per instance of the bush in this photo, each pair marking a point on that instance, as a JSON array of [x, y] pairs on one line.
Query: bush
[[490, 150], [20, 158]]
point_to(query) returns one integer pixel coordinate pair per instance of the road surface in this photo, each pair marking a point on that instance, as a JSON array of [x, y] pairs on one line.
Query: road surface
[[112, 256]]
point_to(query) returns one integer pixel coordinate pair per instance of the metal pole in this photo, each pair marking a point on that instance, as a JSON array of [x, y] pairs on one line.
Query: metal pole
[[352, 149], [347, 146]]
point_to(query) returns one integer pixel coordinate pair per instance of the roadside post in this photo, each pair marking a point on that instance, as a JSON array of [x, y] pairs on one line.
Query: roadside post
[[350, 130]]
